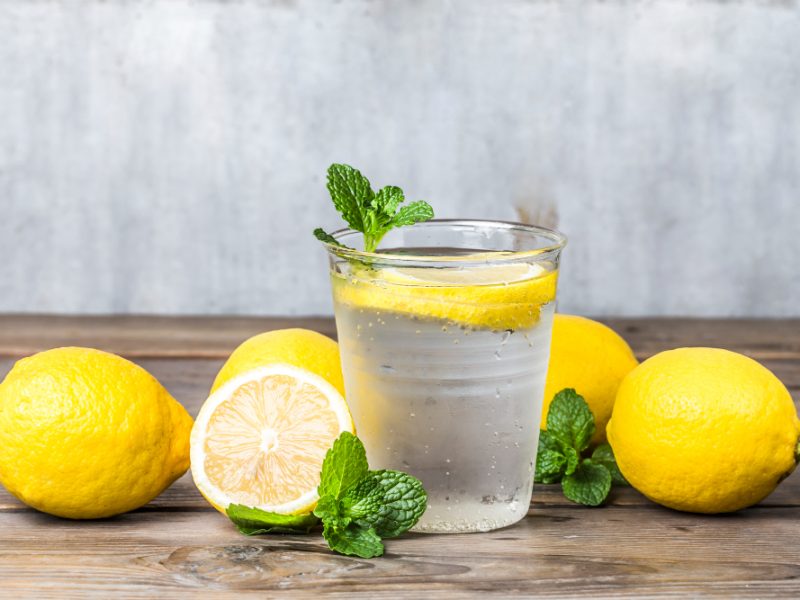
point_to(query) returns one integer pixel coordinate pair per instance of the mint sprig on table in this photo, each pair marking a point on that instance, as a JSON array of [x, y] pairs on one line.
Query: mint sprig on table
[[372, 213], [562, 452], [358, 507]]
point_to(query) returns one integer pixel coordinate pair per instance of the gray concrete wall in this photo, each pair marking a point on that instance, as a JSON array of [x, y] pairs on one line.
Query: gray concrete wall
[[168, 156]]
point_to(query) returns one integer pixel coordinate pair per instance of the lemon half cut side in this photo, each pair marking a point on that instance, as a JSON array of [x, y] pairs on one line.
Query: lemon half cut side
[[260, 439]]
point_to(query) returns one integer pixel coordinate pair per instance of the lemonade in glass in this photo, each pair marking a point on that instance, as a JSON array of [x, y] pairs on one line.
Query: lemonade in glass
[[444, 336]]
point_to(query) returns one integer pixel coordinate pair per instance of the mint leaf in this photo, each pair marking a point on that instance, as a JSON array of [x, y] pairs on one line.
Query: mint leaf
[[549, 467], [254, 521], [390, 502], [550, 459], [330, 508], [573, 459], [570, 420], [416, 212], [345, 465], [604, 455], [387, 201], [365, 211], [589, 484], [323, 236], [353, 540], [351, 194]]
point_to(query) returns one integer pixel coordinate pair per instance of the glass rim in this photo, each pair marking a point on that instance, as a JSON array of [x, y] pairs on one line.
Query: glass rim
[[558, 241]]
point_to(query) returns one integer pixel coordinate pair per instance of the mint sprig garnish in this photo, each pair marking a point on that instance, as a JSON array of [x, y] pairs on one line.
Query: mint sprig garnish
[[357, 507], [560, 458], [372, 213]]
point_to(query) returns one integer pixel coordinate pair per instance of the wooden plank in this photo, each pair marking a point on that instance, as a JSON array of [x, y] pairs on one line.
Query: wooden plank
[[215, 337], [143, 336], [554, 552], [760, 338]]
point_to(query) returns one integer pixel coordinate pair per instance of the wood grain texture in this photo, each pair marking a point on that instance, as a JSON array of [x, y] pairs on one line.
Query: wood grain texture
[[554, 552], [177, 546], [215, 337]]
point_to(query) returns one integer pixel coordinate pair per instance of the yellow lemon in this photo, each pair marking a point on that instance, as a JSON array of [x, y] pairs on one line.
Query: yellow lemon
[[592, 359], [86, 434], [503, 296], [299, 347], [704, 430], [261, 437]]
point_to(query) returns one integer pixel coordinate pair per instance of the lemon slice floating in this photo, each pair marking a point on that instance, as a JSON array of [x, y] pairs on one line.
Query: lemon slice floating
[[260, 439], [507, 296]]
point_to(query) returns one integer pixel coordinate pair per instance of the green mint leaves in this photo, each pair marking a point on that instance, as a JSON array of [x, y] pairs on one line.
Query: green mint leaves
[[359, 507], [364, 210], [254, 521], [570, 427]]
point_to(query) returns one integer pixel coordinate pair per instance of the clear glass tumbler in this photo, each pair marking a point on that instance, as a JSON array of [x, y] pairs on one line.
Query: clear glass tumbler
[[445, 338]]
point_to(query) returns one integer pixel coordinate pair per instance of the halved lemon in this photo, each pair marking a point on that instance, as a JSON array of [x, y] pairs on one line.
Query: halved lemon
[[260, 439]]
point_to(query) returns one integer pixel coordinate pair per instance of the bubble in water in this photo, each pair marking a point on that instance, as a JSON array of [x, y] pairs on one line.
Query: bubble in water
[[412, 414]]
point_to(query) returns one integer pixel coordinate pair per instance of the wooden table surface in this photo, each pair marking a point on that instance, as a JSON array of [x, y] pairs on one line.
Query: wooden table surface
[[178, 546]]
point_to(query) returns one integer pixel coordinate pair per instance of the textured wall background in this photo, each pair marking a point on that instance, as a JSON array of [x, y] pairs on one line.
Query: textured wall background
[[169, 155]]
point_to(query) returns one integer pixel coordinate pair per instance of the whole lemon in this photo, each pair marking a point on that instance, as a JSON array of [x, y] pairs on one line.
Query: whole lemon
[[591, 358], [86, 434], [301, 348], [704, 430]]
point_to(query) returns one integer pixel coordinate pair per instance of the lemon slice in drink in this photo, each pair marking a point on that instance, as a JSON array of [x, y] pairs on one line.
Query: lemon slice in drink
[[260, 439], [507, 296]]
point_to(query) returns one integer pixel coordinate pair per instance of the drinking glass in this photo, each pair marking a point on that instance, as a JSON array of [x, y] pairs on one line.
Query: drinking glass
[[444, 336]]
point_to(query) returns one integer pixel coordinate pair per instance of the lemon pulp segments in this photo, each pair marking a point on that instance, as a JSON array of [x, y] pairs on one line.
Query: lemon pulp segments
[[260, 439], [484, 297]]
